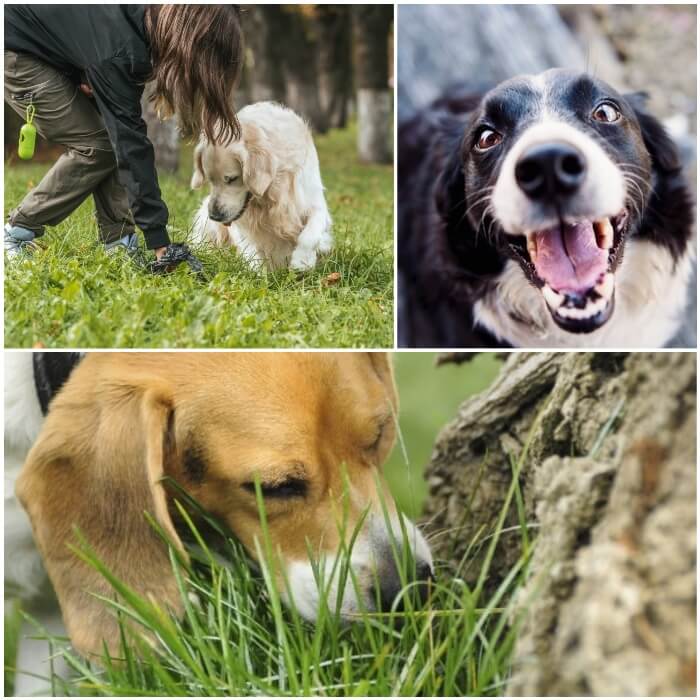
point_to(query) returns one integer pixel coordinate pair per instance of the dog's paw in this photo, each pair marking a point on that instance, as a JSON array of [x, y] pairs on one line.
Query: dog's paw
[[303, 259], [325, 245]]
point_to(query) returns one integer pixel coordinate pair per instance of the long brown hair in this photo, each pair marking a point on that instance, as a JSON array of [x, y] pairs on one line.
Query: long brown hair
[[197, 54]]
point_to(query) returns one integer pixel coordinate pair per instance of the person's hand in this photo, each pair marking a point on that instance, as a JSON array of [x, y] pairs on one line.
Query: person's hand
[[160, 252], [85, 89]]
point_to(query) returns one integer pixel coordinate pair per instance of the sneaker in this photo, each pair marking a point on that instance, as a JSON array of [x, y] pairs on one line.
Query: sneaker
[[18, 240], [128, 243]]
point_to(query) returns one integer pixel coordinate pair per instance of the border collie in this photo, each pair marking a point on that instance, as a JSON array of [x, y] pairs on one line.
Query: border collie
[[515, 209]]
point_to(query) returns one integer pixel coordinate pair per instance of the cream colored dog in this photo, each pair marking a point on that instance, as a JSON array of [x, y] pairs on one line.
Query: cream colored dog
[[266, 192], [214, 422]]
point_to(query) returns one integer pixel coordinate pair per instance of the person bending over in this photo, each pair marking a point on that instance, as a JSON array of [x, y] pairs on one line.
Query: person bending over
[[83, 69]]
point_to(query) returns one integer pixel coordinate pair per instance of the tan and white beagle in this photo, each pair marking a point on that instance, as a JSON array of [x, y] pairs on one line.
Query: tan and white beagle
[[300, 423]]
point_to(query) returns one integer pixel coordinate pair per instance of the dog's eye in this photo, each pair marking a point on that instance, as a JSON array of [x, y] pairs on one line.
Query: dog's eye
[[488, 138], [289, 488], [230, 179], [606, 112]]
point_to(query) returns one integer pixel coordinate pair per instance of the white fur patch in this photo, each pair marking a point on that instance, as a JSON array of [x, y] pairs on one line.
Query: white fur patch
[[24, 572], [371, 560]]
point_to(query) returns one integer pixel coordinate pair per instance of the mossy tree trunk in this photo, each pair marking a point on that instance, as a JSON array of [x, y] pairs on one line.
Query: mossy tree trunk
[[609, 492]]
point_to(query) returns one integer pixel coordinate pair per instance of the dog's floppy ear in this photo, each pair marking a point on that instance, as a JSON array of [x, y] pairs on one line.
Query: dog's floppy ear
[[97, 466], [664, 154], [259, 163], [198, 175], [384, 368]]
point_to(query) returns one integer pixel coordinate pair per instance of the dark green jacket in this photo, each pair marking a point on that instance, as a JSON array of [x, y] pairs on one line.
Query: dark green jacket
[[107, 45]]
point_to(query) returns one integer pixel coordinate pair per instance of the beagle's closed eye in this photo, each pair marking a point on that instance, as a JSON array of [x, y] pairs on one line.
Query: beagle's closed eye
[[290, 487], [382, 424]]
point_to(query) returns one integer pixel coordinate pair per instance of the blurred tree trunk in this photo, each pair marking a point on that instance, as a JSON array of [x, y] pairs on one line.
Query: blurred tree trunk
[[300, 65], [334, 62], [265, 30], [375, 108], [163, 135], [609, 487]]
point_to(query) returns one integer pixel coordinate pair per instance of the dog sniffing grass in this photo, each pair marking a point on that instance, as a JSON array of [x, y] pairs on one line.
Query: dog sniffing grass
[[71, 294], [237, 638]]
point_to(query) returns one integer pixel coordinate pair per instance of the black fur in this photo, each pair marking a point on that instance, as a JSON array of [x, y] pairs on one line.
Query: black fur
[[51, 371], [449, 254]]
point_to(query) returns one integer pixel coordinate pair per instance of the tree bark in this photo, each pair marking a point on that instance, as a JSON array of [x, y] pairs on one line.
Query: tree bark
[[300, 65], [164, 136], [375, 106], [334, 63], [609, 485], [265, 34]]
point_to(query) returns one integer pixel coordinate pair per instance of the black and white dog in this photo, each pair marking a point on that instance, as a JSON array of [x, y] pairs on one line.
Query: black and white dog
[[31, 380], [515, 209]]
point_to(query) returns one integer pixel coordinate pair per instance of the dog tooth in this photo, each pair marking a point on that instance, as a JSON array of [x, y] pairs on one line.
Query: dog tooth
[[603, 233], [532, 247], [605, 288], [553, 299]]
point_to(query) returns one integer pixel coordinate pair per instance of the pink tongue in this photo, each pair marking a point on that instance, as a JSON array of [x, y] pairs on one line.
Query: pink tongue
[[569, 261]]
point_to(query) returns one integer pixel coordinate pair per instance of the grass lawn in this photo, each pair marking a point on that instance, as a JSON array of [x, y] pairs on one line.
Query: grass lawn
[[72, 295]]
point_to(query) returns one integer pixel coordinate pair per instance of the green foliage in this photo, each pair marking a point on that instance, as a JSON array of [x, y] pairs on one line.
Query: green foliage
[[430, 397], [13, 625], [70, 294], [236, 638]]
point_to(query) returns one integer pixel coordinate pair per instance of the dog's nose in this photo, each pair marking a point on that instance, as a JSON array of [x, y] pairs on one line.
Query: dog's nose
[[550, 170], [425, 581], [419, 590], [216, 215]]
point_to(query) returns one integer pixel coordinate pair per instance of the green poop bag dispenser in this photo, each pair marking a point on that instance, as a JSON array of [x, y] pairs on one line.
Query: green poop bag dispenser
[[27, 137]]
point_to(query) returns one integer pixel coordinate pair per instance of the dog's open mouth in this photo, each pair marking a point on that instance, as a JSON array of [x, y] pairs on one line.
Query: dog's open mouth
[[573, 265]]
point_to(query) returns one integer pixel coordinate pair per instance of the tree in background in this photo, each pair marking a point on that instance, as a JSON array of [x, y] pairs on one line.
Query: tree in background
[[300, 66], [310, 56], [163, 134], [265, 36], [371, 25], [334, 63]]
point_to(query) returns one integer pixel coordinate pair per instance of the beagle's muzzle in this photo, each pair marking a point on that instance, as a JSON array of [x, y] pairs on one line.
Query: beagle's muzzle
[[313, 429]]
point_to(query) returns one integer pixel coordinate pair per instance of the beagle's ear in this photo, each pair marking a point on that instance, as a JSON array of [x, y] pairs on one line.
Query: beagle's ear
[[97, 466], [198, 174], [259, 163], [381, 361]]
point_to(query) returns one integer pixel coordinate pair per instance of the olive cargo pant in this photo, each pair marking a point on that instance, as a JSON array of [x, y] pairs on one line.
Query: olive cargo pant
[[64, 115]]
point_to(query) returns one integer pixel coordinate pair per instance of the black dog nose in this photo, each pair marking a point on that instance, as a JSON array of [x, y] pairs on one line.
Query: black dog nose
[[419, 590], [550, 170], [425, 579], [216, 215]]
